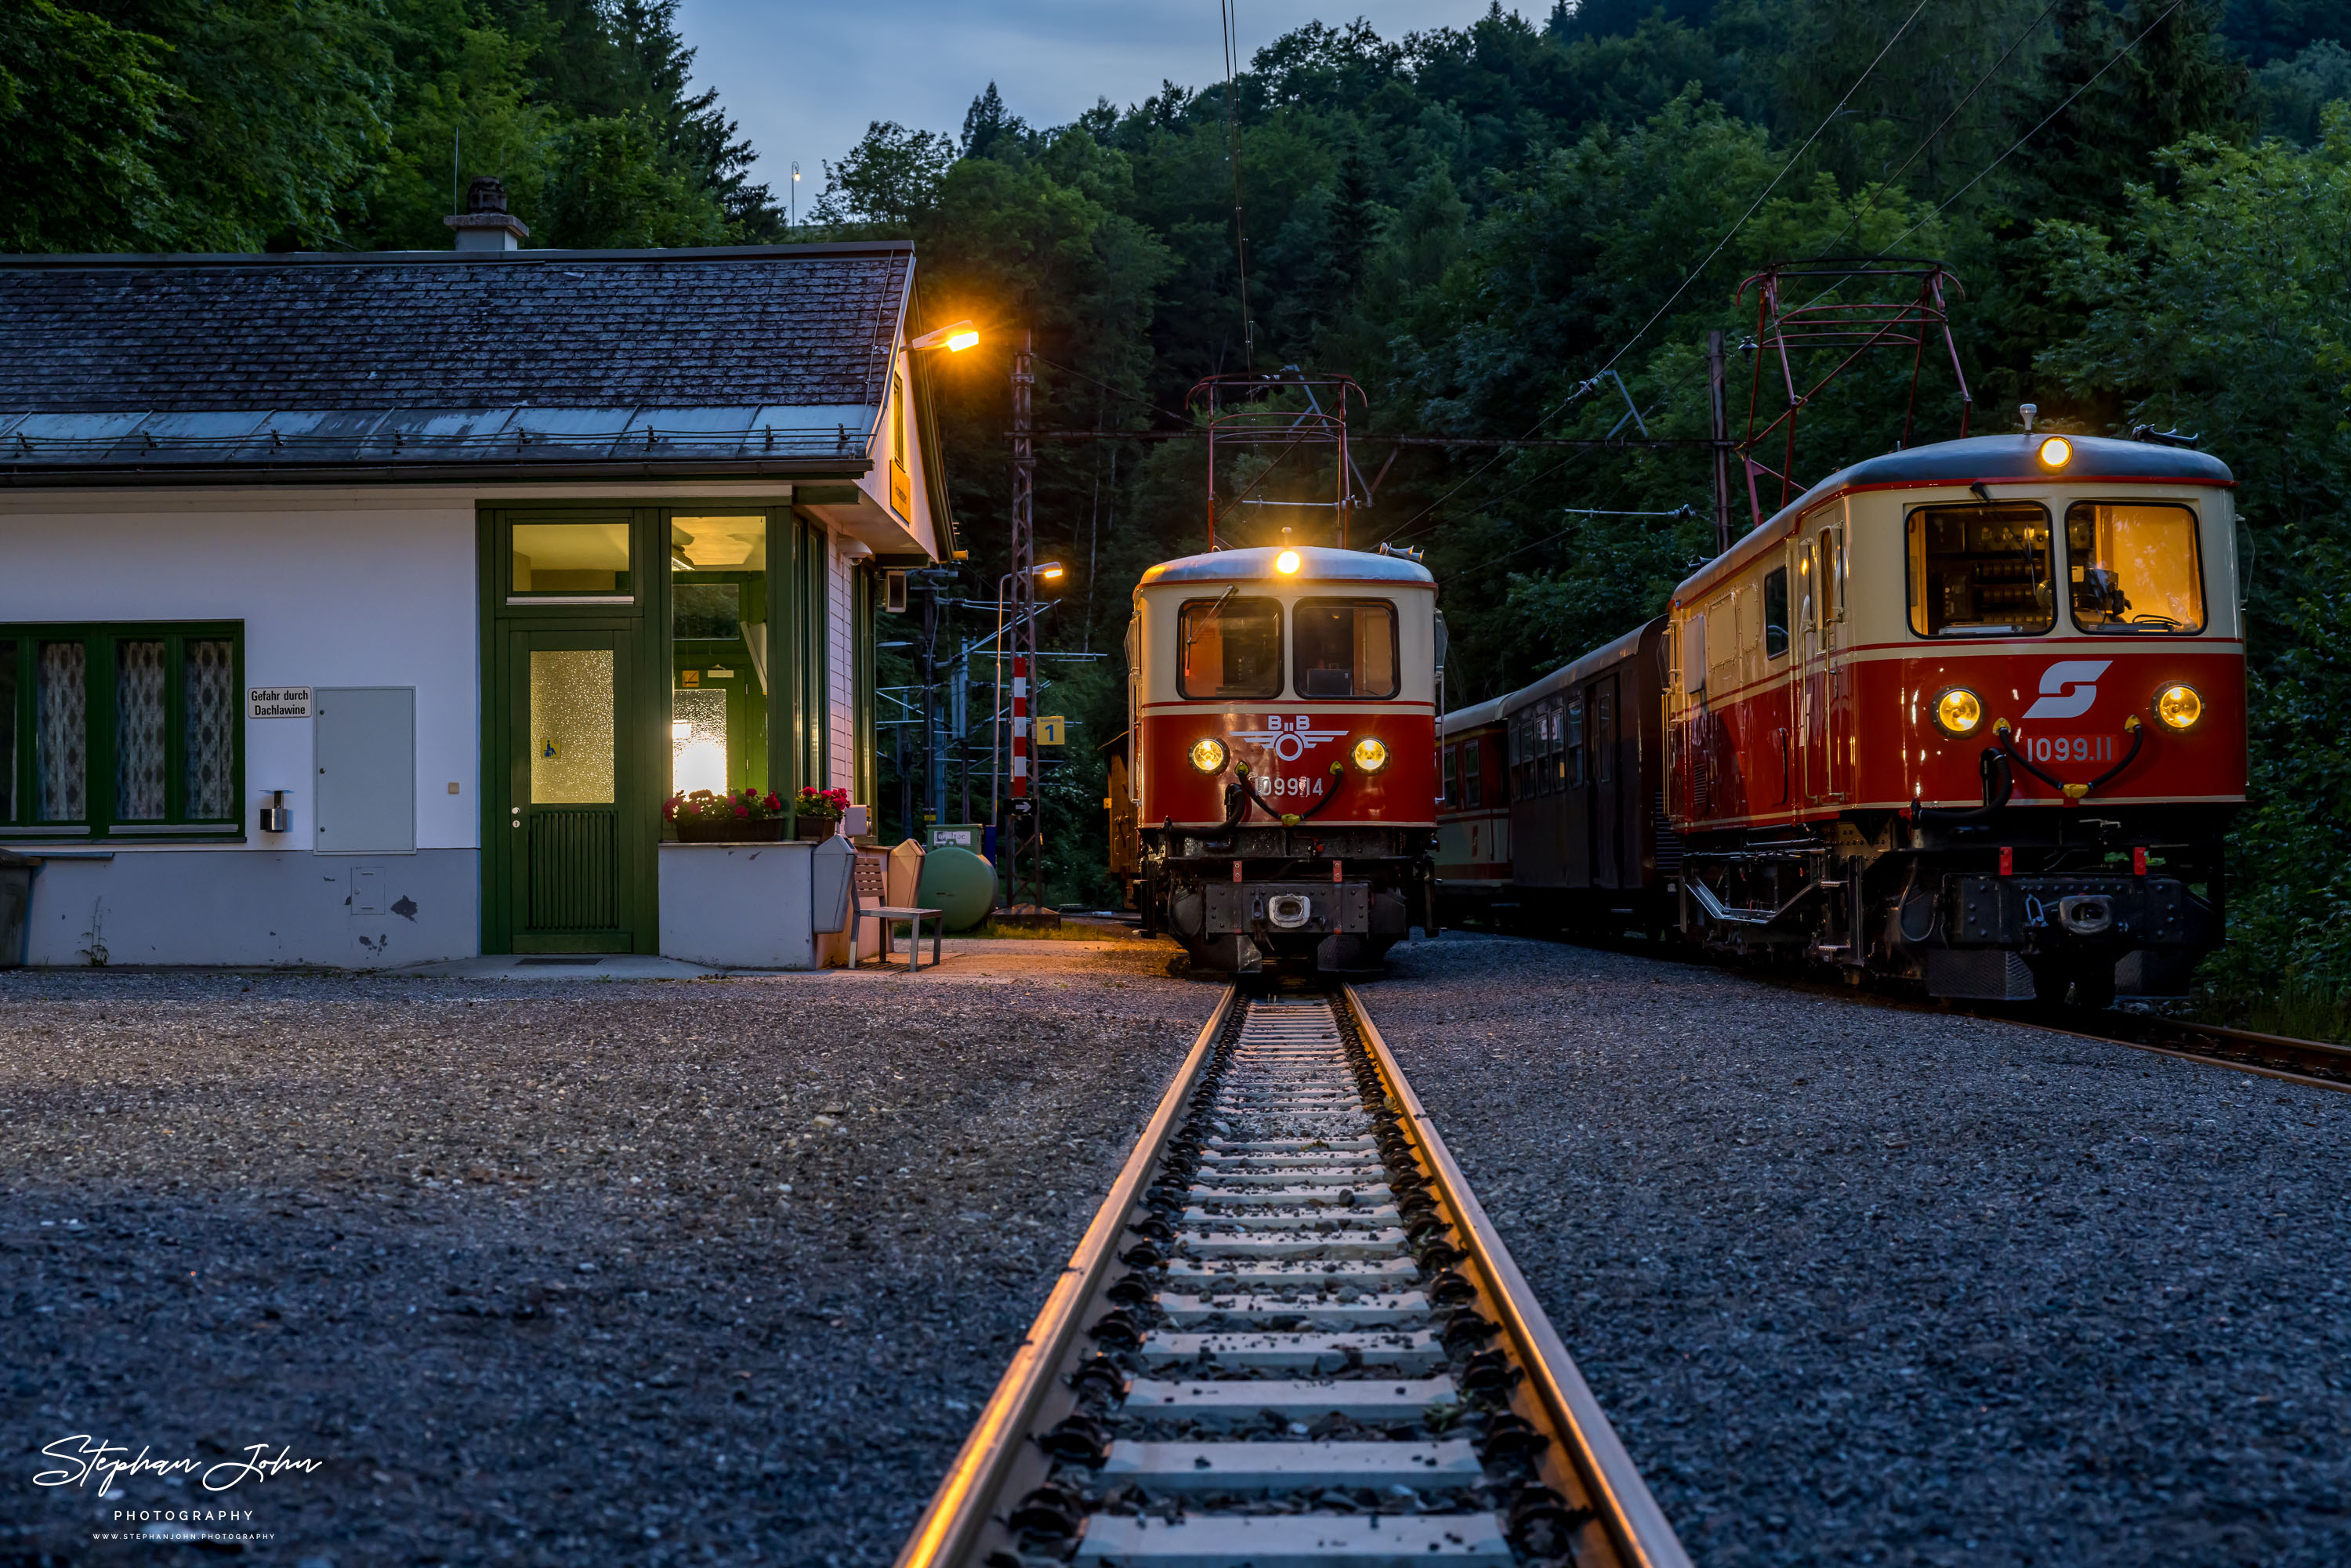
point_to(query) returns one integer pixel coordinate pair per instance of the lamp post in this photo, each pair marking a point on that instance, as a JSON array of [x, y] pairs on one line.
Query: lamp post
[[954, 338]]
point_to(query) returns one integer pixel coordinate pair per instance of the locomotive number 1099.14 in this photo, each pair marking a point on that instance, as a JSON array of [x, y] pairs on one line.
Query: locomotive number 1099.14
[[2068, 748], [1306, 784]]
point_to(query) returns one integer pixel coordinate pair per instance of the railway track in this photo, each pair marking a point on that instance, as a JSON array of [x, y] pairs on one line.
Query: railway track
[[1290, 1339]]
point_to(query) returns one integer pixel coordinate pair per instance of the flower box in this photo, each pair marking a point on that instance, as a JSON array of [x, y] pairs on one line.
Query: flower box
[[741, 830]]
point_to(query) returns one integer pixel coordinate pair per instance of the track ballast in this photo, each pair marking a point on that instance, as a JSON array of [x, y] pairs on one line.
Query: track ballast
[[1291, 1340]]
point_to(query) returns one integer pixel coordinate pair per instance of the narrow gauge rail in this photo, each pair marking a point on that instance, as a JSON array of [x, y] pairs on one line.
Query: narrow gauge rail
[[1290, 1339], [2313, 1061]]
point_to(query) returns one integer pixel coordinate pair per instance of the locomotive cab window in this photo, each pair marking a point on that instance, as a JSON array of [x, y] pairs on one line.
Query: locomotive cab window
[[1231, 648], [2133, 568], [1982, 570], [1344, 647]]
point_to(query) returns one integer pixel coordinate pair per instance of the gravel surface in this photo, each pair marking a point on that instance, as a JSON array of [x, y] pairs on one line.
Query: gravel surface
[[570, 1272], [1862, 1285]]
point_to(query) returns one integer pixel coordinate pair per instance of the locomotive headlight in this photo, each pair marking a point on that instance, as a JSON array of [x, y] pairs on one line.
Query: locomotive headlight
[[2178, 706], [2056, 452], [1207, 754], [1286, 563], [1370, 755], [1957, 712]]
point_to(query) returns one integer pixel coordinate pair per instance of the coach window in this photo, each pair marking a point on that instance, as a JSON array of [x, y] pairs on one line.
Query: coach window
[[2134, 568], [1345, 648], [1453, 774], [1775, 613], [1981, 571], [1232, 648], [1575, 741], [1471, 792]]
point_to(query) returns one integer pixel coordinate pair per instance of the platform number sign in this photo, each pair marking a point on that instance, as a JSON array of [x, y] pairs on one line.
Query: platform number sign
[[1048, 729]]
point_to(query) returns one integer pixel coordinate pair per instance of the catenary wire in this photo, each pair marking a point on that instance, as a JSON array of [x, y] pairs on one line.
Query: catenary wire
[[1689, 277]]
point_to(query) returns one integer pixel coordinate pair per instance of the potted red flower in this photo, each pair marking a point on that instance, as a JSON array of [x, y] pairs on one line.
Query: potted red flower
[[735, 817], [816, 814]]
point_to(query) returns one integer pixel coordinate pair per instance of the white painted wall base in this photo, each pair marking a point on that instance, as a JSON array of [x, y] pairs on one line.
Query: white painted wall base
[[738, 906], [257, 908]]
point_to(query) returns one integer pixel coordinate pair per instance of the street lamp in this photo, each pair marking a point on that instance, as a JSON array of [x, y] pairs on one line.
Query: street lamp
[[954, 338]]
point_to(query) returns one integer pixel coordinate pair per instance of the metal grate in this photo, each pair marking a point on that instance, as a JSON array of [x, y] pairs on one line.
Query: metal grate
[[571, 869]]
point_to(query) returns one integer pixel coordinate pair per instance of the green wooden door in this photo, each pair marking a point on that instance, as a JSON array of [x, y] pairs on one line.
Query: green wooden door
[[572, 806]]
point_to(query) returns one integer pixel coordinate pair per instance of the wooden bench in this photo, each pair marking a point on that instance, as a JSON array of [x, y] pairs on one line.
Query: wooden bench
[[866, 882]]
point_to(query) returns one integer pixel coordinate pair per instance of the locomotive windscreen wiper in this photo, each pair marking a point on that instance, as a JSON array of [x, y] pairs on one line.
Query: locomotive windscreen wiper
[[1193, 635]]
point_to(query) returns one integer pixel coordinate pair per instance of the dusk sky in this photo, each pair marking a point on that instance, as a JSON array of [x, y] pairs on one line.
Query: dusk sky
[[804, 80]]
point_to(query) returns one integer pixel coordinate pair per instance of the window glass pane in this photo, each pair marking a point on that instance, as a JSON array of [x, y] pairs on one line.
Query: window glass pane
[[718, 543], [1471, 785], [7, 731], [1453, 773], [61, 733], [571, 727], [140, 764], [571, 557], [1232, 648], [1981, 570], [2134, 568], [1345, 650], [1603, 725], [208, 721], [705, 612], [697, 739], [1775, 613]]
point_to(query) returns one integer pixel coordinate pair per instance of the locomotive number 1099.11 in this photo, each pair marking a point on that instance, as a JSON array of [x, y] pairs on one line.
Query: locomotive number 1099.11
[[2067, 747]]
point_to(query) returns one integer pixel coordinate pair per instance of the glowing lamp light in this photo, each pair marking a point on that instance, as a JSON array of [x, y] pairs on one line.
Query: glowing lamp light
[[1959, 711], [1370, 755], [2178, 706], [1051, 571], [2056, 452], [1286, 562], [959, 341], [1207, 754]]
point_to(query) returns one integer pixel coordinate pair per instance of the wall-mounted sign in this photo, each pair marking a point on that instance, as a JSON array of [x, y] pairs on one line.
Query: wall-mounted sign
[[1048, 729], [279, 702]]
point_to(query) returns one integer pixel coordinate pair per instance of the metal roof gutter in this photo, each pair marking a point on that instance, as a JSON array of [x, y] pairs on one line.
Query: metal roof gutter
[[115, 475], [448, 258]]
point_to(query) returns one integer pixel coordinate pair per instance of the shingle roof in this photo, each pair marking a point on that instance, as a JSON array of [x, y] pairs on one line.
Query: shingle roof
[[751, 357], [803, 325]]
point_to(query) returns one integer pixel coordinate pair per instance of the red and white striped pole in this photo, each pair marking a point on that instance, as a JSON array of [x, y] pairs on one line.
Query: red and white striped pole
[[1020, 727]]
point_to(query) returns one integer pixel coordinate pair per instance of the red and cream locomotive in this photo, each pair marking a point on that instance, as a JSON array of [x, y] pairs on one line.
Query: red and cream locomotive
[[1970, 715], [1279, 790]]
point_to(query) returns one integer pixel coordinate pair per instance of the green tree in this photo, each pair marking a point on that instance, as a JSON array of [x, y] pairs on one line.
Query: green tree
[[81, 113]]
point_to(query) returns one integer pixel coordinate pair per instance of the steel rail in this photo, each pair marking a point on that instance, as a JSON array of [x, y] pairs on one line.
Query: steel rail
[[1624, 1507], [958, 1511]]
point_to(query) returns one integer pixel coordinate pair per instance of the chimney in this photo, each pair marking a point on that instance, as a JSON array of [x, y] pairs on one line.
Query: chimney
[[485, 225]]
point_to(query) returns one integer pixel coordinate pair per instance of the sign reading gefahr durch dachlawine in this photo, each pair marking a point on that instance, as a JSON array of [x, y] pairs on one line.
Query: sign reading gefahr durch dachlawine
[[279, 702]]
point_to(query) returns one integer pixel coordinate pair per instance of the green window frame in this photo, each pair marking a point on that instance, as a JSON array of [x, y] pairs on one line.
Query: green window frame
[[122, 730]]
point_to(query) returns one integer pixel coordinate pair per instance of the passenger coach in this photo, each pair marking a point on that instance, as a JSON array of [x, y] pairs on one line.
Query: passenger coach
[[1282, 725]]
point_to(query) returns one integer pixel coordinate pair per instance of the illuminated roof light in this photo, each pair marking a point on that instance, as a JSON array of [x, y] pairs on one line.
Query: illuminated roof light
[[2056, 452], [1286, 562]]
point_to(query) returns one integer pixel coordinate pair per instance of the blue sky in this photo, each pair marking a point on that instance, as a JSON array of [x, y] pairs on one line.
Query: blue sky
[[804, 80]]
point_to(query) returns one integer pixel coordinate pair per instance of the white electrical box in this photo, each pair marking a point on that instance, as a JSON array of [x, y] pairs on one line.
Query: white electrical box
[[363, 750]]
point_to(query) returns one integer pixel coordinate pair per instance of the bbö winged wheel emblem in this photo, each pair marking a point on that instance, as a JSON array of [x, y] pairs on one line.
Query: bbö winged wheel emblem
[[1291, 740], [2068, 687]]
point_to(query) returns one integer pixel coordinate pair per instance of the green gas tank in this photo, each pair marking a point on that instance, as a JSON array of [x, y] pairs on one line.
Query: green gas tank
[[960, 883]]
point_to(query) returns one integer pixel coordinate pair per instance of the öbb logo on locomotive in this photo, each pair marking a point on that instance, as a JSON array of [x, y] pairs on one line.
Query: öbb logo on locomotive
[[1837, 747], [2069, 687]]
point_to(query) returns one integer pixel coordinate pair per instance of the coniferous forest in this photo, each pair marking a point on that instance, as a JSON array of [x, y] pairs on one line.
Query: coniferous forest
[[2147, 203]]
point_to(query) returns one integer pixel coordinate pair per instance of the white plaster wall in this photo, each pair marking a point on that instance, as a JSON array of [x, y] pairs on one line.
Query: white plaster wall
[[358, 591]]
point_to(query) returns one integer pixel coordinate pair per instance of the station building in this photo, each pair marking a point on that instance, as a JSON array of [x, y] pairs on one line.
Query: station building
[[362, 610]]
